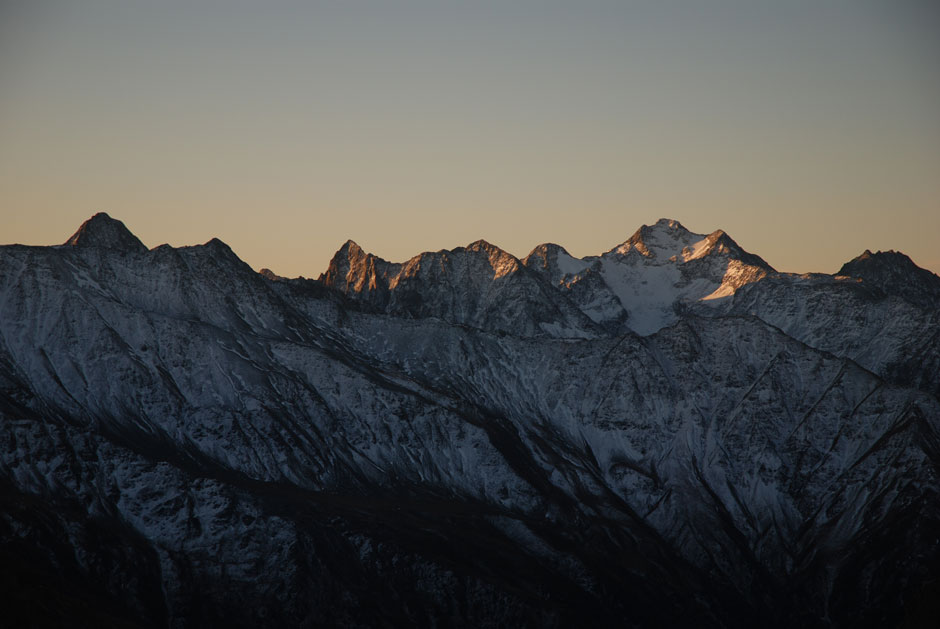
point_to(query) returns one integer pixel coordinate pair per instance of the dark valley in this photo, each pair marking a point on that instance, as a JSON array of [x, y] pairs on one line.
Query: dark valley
[[668, 434]]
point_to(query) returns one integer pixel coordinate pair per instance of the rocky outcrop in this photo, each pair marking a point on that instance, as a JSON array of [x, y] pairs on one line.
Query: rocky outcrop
[[185, 442], [103, 231], [894, 273]]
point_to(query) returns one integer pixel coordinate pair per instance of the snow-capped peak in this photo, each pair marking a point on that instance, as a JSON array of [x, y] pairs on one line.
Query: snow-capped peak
[[667, 241], [183, 440], [103, 231], [661, 241]]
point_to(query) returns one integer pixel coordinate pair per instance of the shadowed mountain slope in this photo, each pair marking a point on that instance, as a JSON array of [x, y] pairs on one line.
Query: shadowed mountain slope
[[186, 442]]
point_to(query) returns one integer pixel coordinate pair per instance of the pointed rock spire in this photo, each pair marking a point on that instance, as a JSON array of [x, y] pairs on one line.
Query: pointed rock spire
[[353, 270], [103, 231]]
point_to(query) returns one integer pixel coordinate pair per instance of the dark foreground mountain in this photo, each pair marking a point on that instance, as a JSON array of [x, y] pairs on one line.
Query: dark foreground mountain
[[894, 273], [467, 439]]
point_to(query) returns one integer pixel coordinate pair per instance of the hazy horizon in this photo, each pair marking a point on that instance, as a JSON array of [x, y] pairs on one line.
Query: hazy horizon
[[808, 132], [519, 254]]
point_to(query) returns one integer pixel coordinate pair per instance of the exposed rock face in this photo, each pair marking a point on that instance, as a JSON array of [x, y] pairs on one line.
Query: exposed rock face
[[103, 231], [638, 286], [895, 274], [581, 281], [185, 442], [355, 272], [479, 285]]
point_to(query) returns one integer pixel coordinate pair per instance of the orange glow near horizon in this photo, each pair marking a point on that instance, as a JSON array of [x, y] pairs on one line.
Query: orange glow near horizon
[[808, 132]]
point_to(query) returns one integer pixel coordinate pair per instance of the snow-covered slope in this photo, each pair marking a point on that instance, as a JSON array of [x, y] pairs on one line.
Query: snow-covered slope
[[643, 283], [640, 285], [881, 310], [185, 442]]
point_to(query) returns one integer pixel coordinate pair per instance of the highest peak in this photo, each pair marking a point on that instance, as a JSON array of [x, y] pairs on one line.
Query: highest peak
[[103, 231], [669, 224], [665, 233], [668, 240], [667, 227]]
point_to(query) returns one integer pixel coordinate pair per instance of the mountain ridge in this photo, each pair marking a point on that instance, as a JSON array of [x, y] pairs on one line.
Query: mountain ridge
[[895, 273], [193, 443]]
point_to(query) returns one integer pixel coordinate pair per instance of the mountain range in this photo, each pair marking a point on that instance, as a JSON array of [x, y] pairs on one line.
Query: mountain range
[[669, 434]]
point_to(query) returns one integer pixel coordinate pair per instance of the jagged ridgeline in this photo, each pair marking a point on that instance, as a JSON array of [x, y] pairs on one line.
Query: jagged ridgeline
[[668, 434]]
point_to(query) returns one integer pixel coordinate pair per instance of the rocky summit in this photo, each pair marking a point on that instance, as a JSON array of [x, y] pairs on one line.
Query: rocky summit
[[668, 434]]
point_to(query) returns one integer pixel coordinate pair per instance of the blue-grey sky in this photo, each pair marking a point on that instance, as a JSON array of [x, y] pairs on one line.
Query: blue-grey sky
[[809, 130]]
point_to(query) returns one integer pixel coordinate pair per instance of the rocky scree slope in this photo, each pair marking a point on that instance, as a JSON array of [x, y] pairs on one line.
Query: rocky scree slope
[[185, 442]]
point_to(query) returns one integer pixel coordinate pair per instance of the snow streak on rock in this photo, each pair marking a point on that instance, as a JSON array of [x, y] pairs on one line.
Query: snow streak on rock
[[464, 439]]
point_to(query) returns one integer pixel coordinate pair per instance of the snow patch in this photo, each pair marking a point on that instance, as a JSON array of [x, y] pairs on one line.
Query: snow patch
[[569, 265]]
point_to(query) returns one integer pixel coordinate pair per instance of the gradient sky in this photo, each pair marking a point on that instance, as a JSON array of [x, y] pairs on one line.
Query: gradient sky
[[809, 130]]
